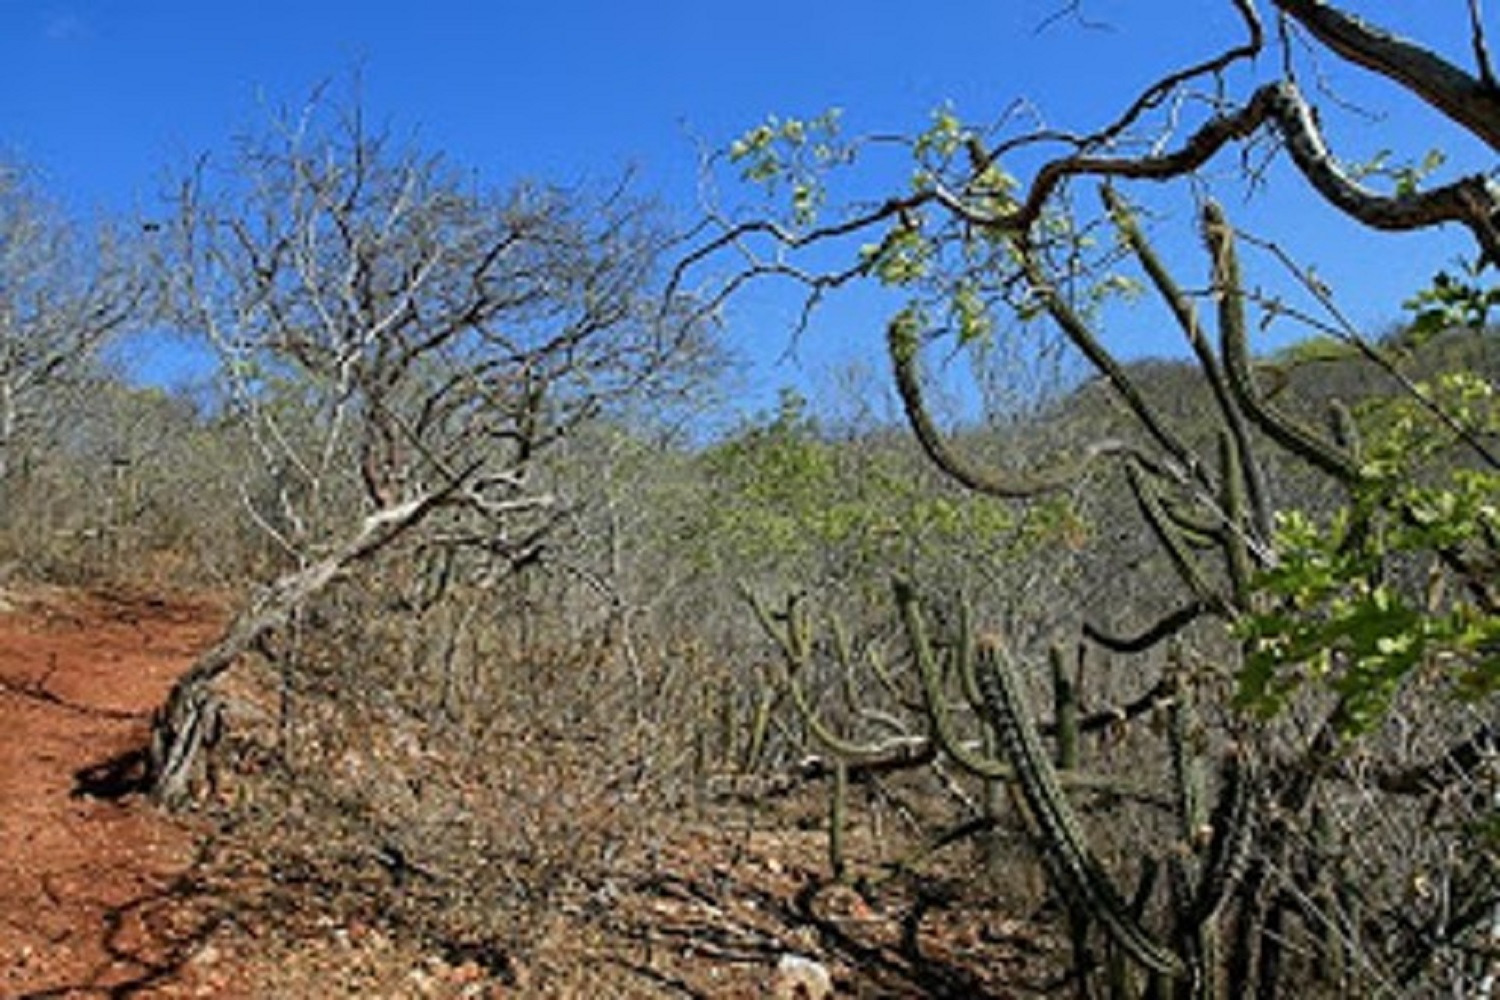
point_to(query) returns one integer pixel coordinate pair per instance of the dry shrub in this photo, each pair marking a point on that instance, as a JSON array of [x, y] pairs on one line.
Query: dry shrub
[[458, 791]]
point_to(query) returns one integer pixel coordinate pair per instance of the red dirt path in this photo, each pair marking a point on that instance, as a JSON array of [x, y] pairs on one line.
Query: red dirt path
[[88, 886]]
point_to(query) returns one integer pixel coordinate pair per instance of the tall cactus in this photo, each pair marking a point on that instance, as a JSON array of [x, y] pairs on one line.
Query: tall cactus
[[1211, 520], [1190, 954], [1200, 878], [1072, 865]]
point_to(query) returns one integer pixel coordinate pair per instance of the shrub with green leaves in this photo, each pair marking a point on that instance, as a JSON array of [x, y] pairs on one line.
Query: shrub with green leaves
[[1400, 582]]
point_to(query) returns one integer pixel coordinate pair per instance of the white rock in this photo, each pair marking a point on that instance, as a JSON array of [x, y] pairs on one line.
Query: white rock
[[801, 978]]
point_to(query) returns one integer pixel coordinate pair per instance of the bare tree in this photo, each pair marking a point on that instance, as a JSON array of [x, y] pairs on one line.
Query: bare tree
[[61, 297], [401, 346]]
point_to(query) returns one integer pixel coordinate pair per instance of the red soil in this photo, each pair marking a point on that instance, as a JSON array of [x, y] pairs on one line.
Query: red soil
[[95, 892]]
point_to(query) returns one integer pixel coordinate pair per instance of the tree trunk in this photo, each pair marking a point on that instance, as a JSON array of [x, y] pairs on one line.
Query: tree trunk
[[186, 727]]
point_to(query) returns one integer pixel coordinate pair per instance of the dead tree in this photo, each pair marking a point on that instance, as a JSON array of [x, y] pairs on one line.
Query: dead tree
[[399, 348]]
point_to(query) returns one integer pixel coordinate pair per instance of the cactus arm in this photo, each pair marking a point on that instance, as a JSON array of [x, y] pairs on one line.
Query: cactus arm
[[1161, 630], [940, 719], [1082, 337], [886, 678], [1064, 711], [1234, 346], [1180, 305], [1167, 533], [903, 349], [1235, 500], [838, 799], [845, 751], [1198, 530], [1229, 846], [792, 634], [1187, 773]]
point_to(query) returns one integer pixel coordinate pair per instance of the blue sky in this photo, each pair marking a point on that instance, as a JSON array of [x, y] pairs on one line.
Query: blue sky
[[107, 97]]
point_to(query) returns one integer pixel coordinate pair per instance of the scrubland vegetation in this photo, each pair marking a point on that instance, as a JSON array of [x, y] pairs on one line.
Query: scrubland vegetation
[[1190, 664]]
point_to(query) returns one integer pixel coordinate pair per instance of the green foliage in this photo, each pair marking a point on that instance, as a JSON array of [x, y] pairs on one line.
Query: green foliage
[[971, 314], [1405, 177], [944, 136], [776, 475], [1344, 610], [902, 258], [788, 500], [961, 272], [1375, 595], [1451, 302], [793, 152]]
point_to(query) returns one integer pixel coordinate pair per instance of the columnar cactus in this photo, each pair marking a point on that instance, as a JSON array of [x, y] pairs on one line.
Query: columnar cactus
[[1073, 867]]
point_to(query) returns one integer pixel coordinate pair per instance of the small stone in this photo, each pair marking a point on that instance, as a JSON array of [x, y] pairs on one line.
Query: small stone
[[801, 978]]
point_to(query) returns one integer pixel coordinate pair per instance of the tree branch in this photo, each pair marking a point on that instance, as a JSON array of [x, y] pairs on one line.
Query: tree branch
[[1481, 46], [1470, 201], [1470, 102]]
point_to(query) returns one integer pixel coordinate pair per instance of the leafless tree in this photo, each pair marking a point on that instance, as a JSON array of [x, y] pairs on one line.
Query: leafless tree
[[62, 295], [400, 346]]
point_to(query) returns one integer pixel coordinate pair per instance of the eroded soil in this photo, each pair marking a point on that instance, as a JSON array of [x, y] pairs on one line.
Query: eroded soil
[[89, 885]]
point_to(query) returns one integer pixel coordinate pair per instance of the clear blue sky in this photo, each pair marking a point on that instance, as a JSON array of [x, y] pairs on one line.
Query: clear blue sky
[[105, 97]]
